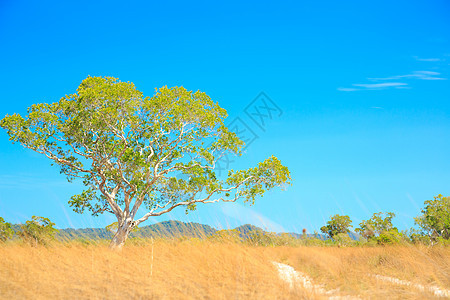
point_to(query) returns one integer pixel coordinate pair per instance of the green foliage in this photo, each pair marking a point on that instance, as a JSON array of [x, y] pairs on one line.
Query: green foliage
[[129, 150], [6, 231], [379, 228], [343, 239], [435, 218], [379, 223], [337, 224], [39, 230], [416, 237], [389, 237]]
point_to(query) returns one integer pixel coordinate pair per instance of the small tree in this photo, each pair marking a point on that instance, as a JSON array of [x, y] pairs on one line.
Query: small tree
[[379, 223], [6, 231], [435, 218], [380, 229], [39, 230], [135, 152], [337, 224]]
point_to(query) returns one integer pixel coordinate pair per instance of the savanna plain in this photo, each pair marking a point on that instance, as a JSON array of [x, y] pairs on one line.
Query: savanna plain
[[205, 269]]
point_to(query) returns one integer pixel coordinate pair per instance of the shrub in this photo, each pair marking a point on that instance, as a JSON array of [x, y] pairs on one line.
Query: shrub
[[390, 237], [6, 231], [343, 239], [39, 230]]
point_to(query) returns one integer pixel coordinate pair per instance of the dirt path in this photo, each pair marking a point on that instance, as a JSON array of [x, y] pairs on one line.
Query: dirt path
[[294, 278], [432, 289]]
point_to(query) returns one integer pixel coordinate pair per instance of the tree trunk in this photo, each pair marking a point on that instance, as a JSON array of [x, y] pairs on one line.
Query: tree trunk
[[121, 235]]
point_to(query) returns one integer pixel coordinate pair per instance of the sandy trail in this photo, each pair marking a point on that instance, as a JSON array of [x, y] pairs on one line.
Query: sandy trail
[[293, 278], [296, 278], [439, 292]]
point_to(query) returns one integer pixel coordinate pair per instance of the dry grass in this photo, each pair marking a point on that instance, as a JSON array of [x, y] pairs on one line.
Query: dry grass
[[352, 270], [194, 269], [181, 270]]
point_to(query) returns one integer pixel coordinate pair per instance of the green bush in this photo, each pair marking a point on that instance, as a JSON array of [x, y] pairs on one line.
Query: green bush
[[380, 230], [343, 239], [39, 230], [6, 231], [390, 237]]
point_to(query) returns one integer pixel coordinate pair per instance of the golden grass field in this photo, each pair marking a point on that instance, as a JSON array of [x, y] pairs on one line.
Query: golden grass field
[[202, 269]]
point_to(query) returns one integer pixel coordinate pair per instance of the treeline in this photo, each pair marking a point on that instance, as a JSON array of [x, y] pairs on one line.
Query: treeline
[[432, 227]]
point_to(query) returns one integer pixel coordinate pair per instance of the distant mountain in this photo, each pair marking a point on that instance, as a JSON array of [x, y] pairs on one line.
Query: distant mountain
[[84, 233], [244, 230], [171, 229], [175, 229], [162, 229]]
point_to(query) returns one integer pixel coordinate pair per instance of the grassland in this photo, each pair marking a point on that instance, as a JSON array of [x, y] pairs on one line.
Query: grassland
[[205, 269]]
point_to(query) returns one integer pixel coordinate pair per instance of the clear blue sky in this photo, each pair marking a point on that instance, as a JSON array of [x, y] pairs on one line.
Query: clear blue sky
[[363, 86]]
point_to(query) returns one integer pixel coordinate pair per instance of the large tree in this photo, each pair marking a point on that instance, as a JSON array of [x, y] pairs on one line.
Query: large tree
[[130, 150]]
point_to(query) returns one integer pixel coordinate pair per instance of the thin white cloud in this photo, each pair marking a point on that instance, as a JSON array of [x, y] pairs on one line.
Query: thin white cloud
[[378, 86], [374, 86], [427, 59], [427, 72], [421, 75], [393, 81], [347, 89]]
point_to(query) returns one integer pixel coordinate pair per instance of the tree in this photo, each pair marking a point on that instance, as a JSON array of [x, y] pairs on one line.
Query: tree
[[379, 228], [6, 231], [378, 224], [39, 230], [337, 224], [435, 218], [130, 150]]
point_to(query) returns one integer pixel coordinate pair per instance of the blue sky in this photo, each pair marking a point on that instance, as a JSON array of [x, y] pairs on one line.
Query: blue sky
[[363, 89]]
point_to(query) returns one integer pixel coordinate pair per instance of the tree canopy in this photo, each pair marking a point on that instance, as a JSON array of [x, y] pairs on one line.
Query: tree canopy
[[435, 217], [379, 223], [128, 150], [379, 228], [6, 230], [336, 225]]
